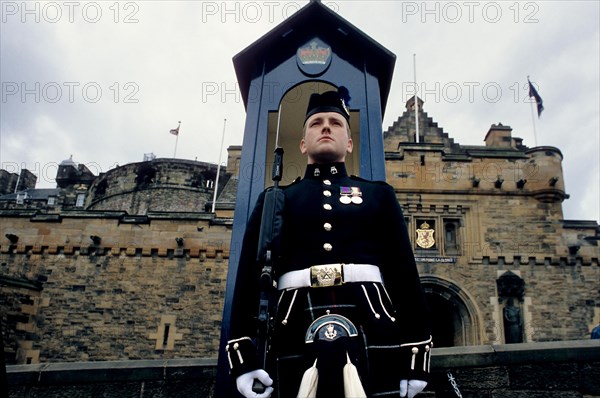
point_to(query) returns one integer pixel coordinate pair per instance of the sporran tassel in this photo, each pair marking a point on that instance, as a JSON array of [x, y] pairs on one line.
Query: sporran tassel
[[310, 379], [352, 386]]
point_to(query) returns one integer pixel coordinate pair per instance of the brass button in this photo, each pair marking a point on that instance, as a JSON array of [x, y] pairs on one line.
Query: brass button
[[327, 206], [326, 182], [326, 193], [327, 247], [327, 226]]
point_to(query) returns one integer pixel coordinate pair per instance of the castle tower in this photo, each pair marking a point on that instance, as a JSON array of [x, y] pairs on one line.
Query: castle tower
[[478, 214]]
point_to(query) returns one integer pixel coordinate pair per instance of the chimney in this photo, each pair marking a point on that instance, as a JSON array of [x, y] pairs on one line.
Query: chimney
[[499, 136], [234, 156]]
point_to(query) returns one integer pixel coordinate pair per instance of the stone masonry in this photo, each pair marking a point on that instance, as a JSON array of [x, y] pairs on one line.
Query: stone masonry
[[113, 300], [132, 264], [495, 209]]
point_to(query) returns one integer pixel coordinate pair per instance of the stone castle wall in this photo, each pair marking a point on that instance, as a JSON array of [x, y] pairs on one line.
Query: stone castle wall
[[139, 271], [549, 370], [167, 185], [505, 202], [560, 301], [136, 294]]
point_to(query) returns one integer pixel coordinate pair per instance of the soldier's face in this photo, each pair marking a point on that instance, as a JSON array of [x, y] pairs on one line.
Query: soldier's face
[[326, 138]]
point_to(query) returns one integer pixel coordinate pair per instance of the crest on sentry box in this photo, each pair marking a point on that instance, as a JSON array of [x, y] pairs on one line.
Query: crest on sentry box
[[314, 57]]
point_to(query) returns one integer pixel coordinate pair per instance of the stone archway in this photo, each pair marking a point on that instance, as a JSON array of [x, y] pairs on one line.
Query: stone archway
[[455, 320]]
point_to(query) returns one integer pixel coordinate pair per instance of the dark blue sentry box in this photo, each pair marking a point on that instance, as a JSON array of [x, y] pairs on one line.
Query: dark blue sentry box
[[313, 51]]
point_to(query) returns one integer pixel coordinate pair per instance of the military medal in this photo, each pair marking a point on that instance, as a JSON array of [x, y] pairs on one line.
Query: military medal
[[350, 195], [345, 193], [356, 196]]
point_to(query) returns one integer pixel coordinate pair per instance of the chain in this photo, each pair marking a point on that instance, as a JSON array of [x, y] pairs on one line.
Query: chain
[[452, 381]]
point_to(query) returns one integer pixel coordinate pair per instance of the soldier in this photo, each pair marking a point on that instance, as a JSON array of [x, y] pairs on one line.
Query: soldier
[[350, 306]]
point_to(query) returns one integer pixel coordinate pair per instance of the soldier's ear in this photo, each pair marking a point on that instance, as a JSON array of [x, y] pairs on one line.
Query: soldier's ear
[[302, 146], [350, 145]]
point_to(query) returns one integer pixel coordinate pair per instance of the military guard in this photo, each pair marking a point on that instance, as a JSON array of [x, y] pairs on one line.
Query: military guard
[[350, 317]]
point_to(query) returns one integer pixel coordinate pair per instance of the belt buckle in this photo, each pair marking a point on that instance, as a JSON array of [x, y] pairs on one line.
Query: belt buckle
[[326, 275]]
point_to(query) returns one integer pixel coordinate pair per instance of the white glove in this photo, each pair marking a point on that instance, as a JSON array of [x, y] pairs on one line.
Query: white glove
[[244, 384], [412, 387]]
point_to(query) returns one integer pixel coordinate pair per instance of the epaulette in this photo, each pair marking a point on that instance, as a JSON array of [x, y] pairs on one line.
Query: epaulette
[[357, 178], [298, 179]]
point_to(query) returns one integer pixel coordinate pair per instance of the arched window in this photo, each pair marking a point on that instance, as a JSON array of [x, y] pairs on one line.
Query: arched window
[[451, 238]]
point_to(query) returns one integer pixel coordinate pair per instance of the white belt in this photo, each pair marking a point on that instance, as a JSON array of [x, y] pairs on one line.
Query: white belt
[[329, 275]]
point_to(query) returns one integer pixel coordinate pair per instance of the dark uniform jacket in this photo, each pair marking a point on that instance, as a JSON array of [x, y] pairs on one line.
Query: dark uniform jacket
[[318, 228]]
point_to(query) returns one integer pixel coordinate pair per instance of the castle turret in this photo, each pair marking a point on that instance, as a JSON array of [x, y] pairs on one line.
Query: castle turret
[[156, 185], [70, 173], [11, 182]]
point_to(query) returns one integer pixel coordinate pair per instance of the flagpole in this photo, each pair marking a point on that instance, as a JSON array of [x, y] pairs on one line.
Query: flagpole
[[416, 100], [177, 138], [19, 180], [533, 122], [218, 168], [532, 114]]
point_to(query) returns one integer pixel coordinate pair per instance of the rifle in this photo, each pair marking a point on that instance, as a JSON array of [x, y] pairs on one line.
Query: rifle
[[268, 253]]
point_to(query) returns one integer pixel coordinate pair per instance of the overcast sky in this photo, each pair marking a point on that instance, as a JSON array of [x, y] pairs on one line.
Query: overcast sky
[[105, 81]]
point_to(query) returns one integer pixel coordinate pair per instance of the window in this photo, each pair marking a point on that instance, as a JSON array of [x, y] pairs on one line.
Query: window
[[80, 200], [437, 235], [451, 238], [51, 200], [166, 334], [21, 196]]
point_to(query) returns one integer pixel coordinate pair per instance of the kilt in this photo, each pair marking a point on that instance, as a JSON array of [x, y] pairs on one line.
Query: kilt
[[375, 351]]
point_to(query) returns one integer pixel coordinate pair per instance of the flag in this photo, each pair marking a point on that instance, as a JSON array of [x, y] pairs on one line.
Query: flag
[[538, 100], [176, 130]]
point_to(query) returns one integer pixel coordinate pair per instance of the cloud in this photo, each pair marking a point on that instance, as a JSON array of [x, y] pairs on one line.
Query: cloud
[[129, 71]]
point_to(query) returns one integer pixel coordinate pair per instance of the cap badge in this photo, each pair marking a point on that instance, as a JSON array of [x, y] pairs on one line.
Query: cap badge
[[345, 107]]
